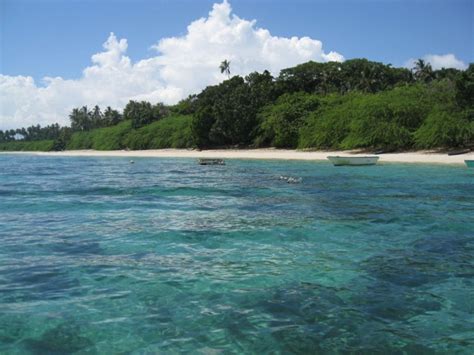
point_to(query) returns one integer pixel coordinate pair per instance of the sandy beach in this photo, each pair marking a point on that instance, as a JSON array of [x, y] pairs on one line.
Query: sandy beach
[[419, 157]]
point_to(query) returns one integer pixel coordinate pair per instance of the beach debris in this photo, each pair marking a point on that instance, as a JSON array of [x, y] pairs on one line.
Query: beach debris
[[291, 179], [206, 161]]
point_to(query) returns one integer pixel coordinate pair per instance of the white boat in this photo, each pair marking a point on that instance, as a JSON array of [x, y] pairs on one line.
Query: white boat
[[364, 160]]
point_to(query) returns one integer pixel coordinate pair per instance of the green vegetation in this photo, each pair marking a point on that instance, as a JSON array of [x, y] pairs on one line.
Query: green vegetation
[[416, 116], [280, 122], [170, 132], [226, 114], [354, 104], [109, 138], [143, 113], [384, 120], [83, 119], [225, 68], [27, 146], [444, 129]]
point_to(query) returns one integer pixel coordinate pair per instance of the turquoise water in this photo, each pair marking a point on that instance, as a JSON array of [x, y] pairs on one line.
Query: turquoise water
[[101, 256]]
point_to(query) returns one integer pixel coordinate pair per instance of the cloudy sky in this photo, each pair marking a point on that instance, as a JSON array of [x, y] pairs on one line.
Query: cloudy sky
[[58, 54]]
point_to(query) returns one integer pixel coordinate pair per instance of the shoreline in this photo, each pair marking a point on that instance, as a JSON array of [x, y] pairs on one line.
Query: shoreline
[[418, 157]]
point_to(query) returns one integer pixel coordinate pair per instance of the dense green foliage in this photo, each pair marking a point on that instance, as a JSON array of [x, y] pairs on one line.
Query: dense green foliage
[[334, 77], [280, 122], [143, 113], [226, 114], [416, 116], [27, 146], [187, 106], [170, 132], [383, 120], [33, 133], [354, 104], [109, 138], [83, 119], [445, 129], [465, 88]]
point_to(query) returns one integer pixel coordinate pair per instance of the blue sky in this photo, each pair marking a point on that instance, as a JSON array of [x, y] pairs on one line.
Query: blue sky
[[60, 54], [57, 37]]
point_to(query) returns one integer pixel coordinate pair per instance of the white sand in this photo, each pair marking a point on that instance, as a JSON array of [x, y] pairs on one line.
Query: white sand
[[419, 157]]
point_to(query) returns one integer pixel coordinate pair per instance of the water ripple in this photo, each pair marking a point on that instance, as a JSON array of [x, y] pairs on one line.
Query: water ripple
[[101, 256]]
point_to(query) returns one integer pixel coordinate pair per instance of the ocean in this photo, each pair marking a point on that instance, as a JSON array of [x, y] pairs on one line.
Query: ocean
[[98, 256]]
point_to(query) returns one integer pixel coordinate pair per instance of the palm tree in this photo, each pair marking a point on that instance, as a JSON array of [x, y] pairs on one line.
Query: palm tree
[[420, 65], [423, 71], [225, 67]]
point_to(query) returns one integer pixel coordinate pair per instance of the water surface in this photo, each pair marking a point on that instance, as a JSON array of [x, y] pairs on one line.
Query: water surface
[[102, 256]]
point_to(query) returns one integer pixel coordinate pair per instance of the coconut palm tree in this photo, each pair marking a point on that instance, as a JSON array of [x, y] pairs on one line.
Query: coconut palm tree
[[225, 67], [423, 71]]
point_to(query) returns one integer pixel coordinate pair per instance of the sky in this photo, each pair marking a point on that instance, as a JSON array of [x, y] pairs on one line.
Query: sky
[[60, 54]]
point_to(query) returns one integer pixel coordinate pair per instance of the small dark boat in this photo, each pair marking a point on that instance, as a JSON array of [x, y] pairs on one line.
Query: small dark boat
[[205, 161], [458, 152], [384, 151]]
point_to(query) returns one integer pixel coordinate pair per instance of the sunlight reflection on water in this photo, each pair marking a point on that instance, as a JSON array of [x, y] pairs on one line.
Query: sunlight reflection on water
[[165, 255]]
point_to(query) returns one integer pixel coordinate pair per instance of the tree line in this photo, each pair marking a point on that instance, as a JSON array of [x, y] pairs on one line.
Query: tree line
[[84, 119], [354, 104], [375, 105]]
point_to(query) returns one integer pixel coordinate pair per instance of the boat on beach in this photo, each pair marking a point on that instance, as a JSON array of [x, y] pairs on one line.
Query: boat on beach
[[205, 161], [469, 163], [354, 161], [459, 152]]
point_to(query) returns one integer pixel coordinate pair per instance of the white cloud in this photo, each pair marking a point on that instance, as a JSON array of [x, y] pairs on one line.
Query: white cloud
[[182, 66], [439, 61]]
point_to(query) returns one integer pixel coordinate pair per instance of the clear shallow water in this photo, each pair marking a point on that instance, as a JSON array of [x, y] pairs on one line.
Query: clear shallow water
[[101, 256]]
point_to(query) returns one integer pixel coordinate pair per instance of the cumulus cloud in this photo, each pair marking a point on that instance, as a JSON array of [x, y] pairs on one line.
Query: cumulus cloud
[[111, 80], [222, 36], [182, 66], [439, 61]]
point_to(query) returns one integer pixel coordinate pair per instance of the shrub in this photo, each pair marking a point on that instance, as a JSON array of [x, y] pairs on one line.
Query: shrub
[[27, 146], [170, 132], [109, 138], [445, 129], [386, 120], [329, 125], [280, 122]]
